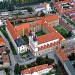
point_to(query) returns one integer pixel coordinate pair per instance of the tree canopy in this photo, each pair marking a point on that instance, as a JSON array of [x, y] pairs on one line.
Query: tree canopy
[[17, 69]]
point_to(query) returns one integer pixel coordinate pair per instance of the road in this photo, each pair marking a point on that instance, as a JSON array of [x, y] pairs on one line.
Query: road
[[13, 62]]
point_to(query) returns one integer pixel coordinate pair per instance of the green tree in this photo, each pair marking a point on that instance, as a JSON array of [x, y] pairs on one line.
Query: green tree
[[22, 67], [29, 65], [7, 51], [1, 5], [49, 61], [10, 7], [42, 14], [69, 34], [71, 57], [29, 9], [74, 64], [17, 69], [46, 56], [40, 60], [7, 70]]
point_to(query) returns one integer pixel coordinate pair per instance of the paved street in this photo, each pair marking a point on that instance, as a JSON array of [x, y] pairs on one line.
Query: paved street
[[52, 55]]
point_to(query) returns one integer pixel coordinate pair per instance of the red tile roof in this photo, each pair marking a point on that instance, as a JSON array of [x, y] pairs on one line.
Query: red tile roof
[[20, 27], [1, 42], [5, 59], [49, 27], [57, 5], [61, 54], [49, 37], [51, 17], [12, 30], [47, 46], [36, 68]]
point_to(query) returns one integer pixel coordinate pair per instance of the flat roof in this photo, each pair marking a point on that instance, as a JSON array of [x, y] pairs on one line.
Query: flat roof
[[19, 42]]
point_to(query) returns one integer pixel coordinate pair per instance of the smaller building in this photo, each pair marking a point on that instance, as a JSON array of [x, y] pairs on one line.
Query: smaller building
[[4, 58], [43, 6], [37, 70], [64, 6], [6, 61]]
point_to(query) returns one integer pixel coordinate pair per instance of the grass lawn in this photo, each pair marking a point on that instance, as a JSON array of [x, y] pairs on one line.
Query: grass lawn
[[5, 34], [68, 20], [61, 30], [50, 73], [64, 16], [25, 39], [39, 33], [13, 49], [24, 55]]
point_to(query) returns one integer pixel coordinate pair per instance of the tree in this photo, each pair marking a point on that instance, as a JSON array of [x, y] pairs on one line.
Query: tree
[[46, 56], [17, 69], [22, 67], [49, 61], [7, 70], [42, 14], [71, 57], [10, 7], [40, 60], [1, 5], [69, 34], [29, 9], [74, 64], [29, 65], [7, 51]]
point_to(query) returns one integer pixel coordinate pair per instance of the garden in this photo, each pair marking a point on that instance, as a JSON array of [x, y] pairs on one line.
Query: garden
[[61, 30], [39, 33], [25, 39], [24, 55]]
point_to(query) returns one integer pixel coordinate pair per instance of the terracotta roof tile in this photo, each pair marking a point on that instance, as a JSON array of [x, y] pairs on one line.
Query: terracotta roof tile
[[2, 42], [62, 54], [35, 69], [51, 17], [48, 27], [49, 37], [12, 30], [59, 8], [1, 39], [20, 27]]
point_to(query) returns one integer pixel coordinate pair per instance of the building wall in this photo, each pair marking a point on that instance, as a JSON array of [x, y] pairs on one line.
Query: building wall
[[20, 32], [63, 42], [22, 49], [54, 23], [44, 71], [45, 30], [44, 51]]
